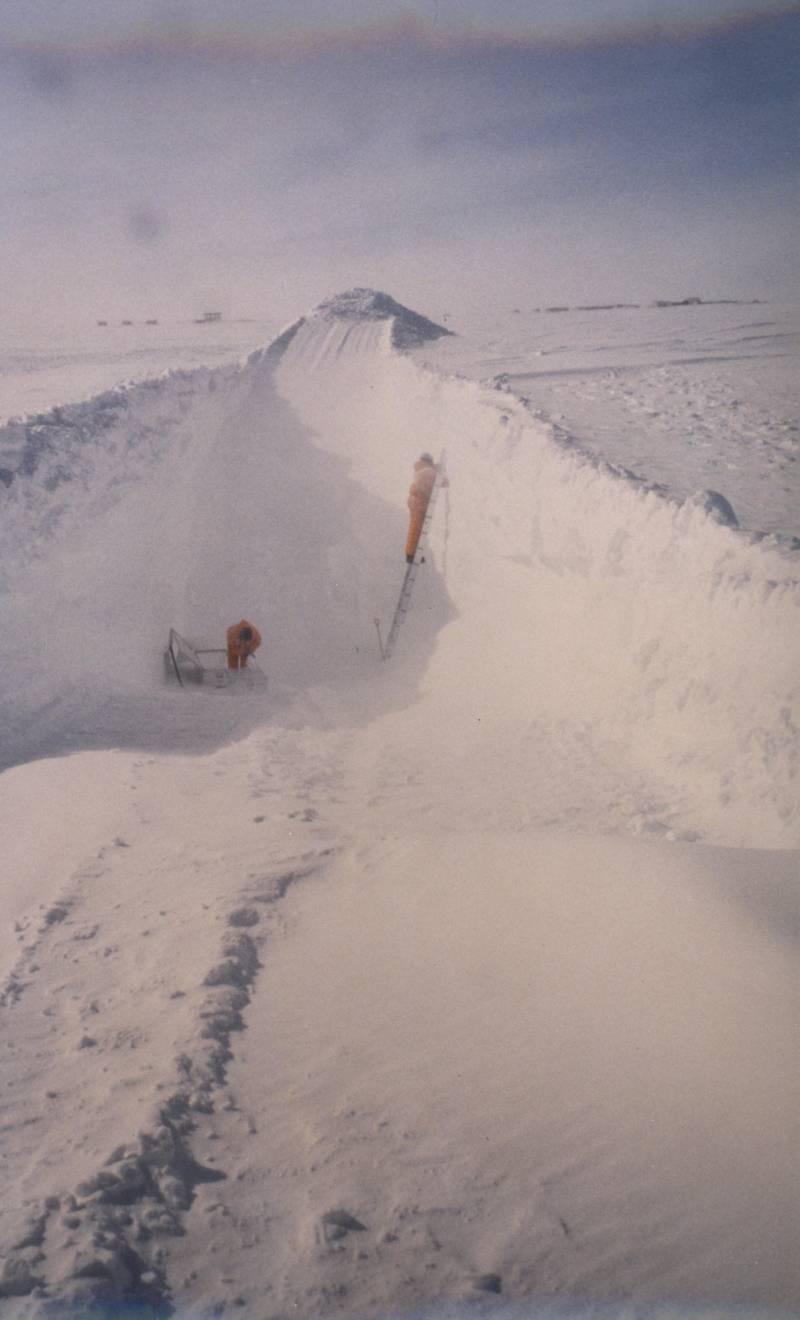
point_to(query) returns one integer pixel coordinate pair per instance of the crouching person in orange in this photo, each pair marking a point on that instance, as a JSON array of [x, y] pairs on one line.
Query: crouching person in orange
[[243, 639], [420, 491]]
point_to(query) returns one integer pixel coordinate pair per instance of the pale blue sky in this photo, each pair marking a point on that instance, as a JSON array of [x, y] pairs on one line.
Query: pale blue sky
[[626, 162]]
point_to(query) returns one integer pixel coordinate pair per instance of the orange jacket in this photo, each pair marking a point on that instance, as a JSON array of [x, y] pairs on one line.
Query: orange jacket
[[235, 643]]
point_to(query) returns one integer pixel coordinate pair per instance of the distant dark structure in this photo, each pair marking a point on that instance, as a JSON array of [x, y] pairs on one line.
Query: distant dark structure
[[208, 318], [710, 302], [662, 302]]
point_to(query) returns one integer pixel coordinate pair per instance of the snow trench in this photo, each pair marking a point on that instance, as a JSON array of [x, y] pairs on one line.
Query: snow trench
[[561, 596], [585, 599]]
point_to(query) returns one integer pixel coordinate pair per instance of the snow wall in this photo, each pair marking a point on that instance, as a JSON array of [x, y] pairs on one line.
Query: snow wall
[[561, 596], [583, 597]]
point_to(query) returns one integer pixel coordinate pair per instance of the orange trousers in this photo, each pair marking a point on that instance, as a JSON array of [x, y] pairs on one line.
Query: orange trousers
[[414, 532], [236, 660]]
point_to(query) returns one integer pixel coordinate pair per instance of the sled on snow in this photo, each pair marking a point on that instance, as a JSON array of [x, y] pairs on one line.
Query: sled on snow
[[190, 665]]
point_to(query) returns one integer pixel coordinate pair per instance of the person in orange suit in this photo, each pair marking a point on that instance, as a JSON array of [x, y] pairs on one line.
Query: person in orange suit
[[420, 491], [243, 639]]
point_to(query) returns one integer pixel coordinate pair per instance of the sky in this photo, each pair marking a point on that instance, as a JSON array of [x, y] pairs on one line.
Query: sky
[[256, 156]]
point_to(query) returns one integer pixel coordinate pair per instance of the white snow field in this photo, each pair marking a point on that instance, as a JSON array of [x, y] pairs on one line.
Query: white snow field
[[463, 983]]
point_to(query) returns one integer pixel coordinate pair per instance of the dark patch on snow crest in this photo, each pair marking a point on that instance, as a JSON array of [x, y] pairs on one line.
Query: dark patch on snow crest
[[409, 329], [714, 506]]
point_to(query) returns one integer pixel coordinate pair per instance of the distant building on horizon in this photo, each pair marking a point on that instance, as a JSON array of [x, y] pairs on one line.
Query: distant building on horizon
[[208, 316]]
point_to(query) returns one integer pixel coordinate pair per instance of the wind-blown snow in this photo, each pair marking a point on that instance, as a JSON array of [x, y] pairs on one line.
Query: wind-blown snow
[[476, 1057]]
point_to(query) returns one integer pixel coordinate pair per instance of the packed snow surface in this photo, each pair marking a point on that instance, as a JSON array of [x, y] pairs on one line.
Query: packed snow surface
[[464, 979]]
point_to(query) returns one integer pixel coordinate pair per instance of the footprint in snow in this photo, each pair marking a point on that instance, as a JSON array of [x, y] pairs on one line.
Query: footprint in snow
[[336, 1224]]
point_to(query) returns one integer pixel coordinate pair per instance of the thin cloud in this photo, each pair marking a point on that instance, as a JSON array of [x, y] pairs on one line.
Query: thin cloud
[[187, 21], [571, 168]]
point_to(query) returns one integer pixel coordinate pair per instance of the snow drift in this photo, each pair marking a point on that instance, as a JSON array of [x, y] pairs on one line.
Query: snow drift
[[585, 599], [491, 1058], [580, 602]]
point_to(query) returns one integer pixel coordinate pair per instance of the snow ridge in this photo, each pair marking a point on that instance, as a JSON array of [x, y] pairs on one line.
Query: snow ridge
[[657, 620], [63, 466], [658, 617]]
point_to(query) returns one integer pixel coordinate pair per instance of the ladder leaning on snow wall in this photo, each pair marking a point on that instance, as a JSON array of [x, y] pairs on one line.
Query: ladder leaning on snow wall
[[404, 599]]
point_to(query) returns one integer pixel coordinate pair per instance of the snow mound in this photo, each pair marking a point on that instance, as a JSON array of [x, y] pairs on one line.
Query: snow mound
[[715, 506], [407, 329]]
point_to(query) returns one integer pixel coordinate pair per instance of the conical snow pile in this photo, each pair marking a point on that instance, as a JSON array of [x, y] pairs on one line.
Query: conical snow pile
[[407, 329]]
